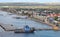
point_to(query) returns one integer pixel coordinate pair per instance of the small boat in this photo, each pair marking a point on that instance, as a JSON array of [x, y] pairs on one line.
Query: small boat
[[17, 17], [21, 17], [24, 31]]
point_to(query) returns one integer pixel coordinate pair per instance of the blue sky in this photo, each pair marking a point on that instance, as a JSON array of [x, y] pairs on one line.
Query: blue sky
[[38, 1]]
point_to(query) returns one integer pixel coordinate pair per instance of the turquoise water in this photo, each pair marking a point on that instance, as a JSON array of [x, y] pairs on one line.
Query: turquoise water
[[8, 19]]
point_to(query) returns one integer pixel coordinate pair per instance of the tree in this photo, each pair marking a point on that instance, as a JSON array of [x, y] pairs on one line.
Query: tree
[[56, 18]]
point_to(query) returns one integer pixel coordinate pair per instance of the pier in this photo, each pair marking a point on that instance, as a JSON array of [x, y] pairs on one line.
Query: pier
[[9, 27]]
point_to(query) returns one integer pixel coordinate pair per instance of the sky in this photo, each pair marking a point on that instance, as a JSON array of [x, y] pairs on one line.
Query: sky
[[38, 1]]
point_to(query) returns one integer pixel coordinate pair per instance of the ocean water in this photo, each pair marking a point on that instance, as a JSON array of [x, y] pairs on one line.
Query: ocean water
[[8, 19]]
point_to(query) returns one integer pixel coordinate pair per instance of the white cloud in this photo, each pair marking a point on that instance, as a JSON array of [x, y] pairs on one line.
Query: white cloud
[[44, 1]]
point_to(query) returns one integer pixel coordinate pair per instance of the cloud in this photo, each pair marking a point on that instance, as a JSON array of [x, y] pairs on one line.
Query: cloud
[[44, 1]]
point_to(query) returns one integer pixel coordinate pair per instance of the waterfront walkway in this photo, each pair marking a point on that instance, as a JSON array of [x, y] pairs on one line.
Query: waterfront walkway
[[54, 27]]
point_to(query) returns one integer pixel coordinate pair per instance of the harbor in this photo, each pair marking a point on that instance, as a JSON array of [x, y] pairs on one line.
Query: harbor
[[13, 23], [9, 22], [29, 18]]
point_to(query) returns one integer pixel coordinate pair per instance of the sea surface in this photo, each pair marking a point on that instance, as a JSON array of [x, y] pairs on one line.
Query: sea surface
[[8, 18]]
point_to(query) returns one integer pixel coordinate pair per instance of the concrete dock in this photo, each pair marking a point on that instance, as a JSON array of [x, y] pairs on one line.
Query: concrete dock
[[7, 27]]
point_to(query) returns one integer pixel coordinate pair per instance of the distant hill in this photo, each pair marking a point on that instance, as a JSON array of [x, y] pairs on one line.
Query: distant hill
[[29, 4]]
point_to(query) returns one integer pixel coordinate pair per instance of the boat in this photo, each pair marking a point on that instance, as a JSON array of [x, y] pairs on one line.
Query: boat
[[21, 17], [24, 31]]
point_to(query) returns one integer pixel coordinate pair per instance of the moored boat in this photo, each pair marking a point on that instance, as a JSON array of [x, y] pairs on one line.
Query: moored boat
[[25, 30]]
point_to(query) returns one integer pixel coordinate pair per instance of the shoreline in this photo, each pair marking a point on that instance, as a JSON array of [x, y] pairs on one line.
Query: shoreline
[[49, 24]]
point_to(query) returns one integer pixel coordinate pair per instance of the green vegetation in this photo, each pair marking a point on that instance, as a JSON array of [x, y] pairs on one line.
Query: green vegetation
[[56, 18]]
